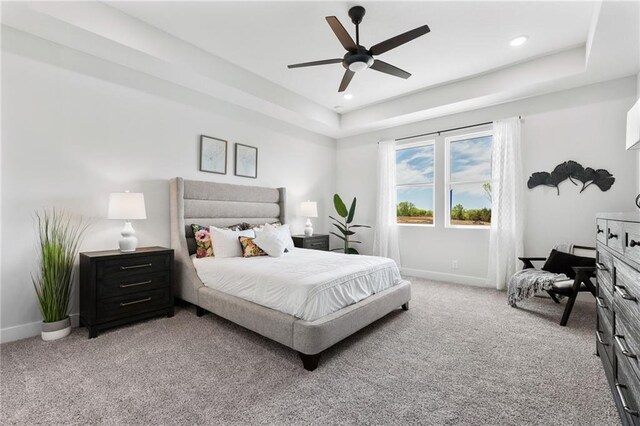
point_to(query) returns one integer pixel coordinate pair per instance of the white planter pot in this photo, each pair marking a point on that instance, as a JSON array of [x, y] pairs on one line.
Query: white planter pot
[[56, 330]]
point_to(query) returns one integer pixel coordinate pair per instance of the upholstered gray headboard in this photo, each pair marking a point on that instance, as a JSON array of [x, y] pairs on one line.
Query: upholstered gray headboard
[[218, 204]]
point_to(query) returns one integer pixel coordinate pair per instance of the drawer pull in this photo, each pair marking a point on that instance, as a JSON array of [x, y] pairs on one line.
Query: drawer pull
[[623, 346], [633, 243], [623, 399], [601, 267], [144, 265], [624, 293], [148, 299], [612, 235], [600, 302], [599, 230], [135, 284], [602, 342]]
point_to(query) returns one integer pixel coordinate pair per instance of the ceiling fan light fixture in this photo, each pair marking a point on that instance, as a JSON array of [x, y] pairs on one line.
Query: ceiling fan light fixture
[[347, 96], [518, 41], [358, 66]]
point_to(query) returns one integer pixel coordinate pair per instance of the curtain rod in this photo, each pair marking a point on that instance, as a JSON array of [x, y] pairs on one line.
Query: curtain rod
[[447, 130]]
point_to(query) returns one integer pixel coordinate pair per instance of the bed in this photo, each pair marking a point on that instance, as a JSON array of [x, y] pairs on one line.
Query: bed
[[309, 330]]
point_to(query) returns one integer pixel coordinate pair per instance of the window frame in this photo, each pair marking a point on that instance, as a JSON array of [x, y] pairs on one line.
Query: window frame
[[416, 144], [447, 176]]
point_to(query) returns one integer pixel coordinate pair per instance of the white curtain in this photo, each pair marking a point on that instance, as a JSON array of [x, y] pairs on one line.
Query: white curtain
[[506, 237], [385, 242]]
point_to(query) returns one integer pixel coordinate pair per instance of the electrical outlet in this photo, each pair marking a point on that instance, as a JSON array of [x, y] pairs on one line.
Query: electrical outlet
[[454, 264]]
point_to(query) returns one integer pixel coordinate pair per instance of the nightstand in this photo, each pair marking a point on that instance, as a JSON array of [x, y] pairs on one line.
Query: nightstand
[[118, 288], [314, 242]]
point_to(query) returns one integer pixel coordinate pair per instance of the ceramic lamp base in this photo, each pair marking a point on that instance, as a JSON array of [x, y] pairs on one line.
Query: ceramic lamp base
[[128, 242], [308, 228]]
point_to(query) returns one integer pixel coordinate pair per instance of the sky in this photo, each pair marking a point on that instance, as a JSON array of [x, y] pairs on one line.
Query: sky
[[470, 160]]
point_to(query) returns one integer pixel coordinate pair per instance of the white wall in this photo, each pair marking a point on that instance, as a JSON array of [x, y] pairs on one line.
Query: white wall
[[70, 139], [585, 124]]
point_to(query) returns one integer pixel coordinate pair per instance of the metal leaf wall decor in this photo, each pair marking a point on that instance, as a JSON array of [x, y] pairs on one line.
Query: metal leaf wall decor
[[573, 171]]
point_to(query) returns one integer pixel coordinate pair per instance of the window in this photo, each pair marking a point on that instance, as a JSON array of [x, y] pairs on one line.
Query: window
[[414, 183], [468, 180]]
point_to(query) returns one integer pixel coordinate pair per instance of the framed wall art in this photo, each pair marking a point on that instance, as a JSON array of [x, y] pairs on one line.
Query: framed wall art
[[246, 161], [213, 155]]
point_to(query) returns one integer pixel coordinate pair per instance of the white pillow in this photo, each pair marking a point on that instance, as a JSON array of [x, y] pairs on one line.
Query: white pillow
[[226, 241], [271, 241], [283, 231]]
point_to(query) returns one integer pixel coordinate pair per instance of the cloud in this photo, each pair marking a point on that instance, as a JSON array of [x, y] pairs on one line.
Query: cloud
[[471, 159], [415, 165]]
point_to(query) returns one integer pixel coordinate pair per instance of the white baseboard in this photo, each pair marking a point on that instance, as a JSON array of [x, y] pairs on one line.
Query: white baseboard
[[31, 329], [442, 276]]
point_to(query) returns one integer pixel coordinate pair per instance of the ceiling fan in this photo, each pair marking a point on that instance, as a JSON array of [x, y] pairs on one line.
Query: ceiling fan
[[358, 58]]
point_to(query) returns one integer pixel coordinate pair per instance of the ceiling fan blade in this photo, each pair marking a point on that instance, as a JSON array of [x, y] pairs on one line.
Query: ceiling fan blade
[[348, 75], [341, 33], [399, 40], [386, 68], [311, 64]]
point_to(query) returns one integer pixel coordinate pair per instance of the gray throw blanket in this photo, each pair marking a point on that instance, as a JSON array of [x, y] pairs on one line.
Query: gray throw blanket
[[527, 282]]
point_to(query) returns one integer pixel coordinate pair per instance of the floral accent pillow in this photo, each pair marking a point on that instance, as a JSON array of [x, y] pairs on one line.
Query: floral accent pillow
[[244, 226], [204, 244], [249, 248]]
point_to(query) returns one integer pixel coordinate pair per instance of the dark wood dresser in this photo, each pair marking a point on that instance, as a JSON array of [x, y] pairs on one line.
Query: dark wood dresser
[[314, 242], [618, 299], [118, 288]]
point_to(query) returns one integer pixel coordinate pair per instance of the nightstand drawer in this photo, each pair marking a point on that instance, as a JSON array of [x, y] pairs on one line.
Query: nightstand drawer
[[121, 306], [133, 265], [121, 286], [316, 244]]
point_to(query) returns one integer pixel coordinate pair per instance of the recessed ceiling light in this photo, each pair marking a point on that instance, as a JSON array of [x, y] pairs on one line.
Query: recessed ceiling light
[[519, 41], [347, 96]]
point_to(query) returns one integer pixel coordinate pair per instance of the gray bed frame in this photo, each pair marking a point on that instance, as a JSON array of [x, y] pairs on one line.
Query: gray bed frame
[[218, 204]]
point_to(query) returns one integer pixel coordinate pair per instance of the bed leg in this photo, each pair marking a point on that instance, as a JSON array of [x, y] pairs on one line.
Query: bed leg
[[405, 307], [310, 362], [200, 311]]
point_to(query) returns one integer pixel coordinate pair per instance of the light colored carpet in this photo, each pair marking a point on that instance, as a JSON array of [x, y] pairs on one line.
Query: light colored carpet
[[459, 356]]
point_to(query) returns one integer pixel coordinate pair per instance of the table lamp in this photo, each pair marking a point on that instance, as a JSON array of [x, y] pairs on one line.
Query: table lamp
[[127, 206], [309, 209]]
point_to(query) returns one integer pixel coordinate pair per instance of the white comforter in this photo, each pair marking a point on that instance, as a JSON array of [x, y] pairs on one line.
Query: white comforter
[[307, 284]]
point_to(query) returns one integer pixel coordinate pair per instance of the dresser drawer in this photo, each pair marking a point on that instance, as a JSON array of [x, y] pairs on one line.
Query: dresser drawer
[[632, 241], [604, 334], [627, 343], [628, 389], [113, 268], [626, 300], [604, 271], [601, 231], [122, 306], [615, 235], [605, 306], [124, 285]]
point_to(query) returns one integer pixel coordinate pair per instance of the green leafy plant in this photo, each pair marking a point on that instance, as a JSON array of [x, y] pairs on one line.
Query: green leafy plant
[[344, 226], [59, 236]]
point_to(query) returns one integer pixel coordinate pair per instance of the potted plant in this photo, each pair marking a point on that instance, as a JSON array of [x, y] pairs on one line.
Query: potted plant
[[344, 225], [59, 236]]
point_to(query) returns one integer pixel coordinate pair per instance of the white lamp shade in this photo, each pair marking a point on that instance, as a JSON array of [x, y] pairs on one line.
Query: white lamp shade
[[126, 205], [633, 127], [309, 209]]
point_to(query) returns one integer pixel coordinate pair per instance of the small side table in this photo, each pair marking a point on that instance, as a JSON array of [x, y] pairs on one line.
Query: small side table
[[118, 288], [314, 242]]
